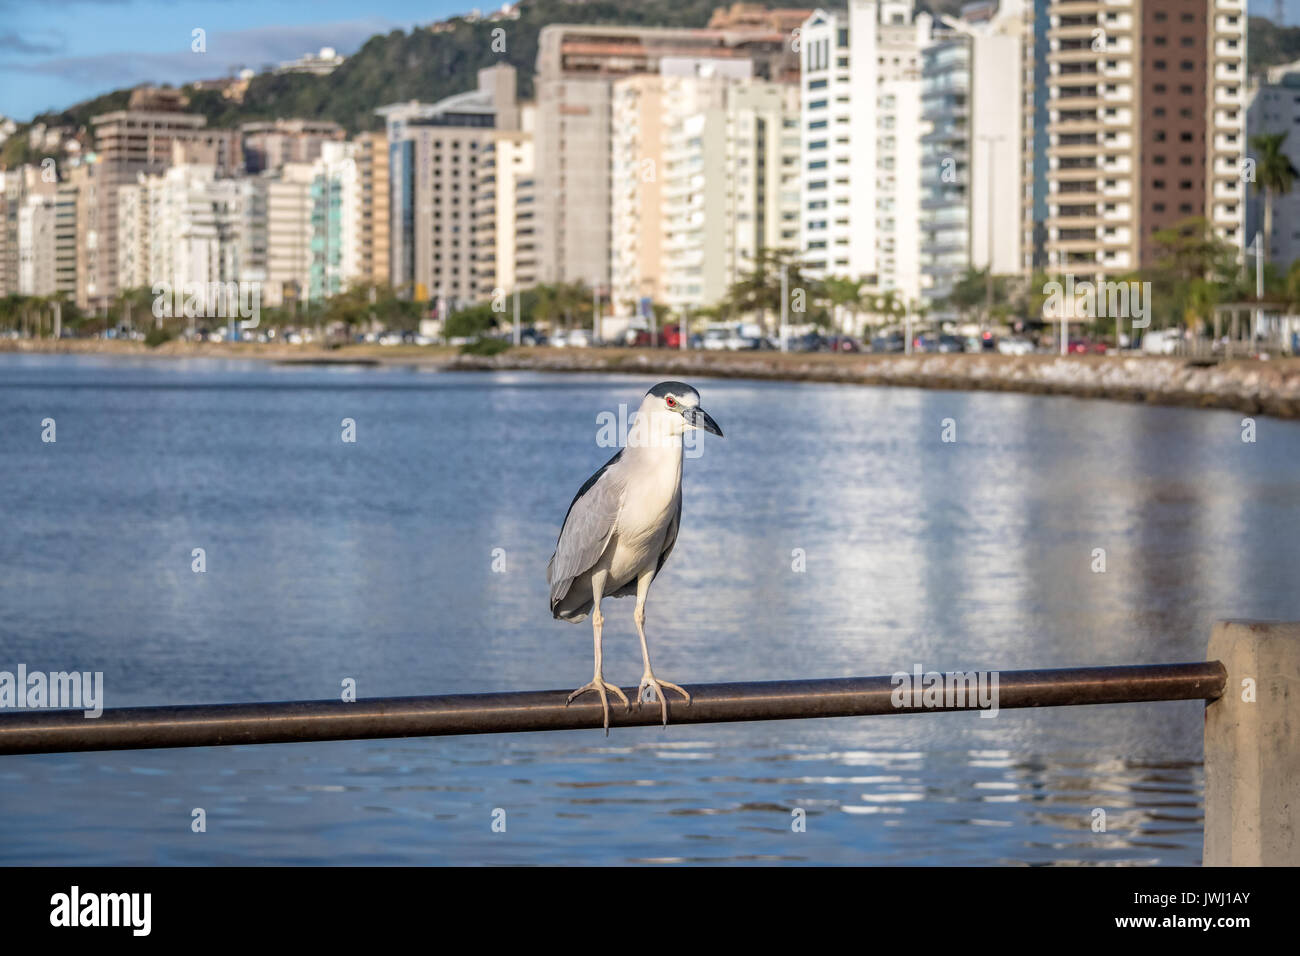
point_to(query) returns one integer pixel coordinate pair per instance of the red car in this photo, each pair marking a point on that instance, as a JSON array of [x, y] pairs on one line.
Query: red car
[[1083, 347], [668, 337]]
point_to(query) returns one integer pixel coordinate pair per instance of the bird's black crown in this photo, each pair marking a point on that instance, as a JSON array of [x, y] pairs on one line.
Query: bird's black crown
[[673, 388]]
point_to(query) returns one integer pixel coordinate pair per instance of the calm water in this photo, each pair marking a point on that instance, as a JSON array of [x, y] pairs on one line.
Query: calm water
[[373, 561]]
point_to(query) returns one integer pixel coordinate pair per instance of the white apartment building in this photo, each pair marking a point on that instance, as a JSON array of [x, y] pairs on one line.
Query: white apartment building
[[861, 139], [179, 227], [502, 254], [276, 233], [36, 230], [336, 200], [704, 176]]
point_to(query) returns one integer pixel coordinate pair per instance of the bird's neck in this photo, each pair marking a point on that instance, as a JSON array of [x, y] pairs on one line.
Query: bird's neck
[[653, 438]]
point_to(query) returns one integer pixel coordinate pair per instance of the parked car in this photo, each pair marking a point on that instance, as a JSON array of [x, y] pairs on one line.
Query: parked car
[[1161, 342], [715, 340], [1086, 346], [950, 343], [809, 342], [640, 338], [893, 342], [844, 343], [1015, 346]]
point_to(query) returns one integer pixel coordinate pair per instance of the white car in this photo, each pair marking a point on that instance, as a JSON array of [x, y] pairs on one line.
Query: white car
[[715, 340], [1015, 346], [1161, 342], [579, 339]]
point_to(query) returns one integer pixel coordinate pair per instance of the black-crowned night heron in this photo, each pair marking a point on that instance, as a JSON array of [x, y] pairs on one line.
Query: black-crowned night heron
[[622, 525]]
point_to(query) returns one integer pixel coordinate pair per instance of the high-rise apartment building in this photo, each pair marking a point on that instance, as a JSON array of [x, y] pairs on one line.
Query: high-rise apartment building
[[970, 149], [373, 226], [179, 227], [434, 156], [17, 186], [637, 172], [335, 221], [36, 245], [65, 241], [1146, 128], [861, 115], [128, 142], [705, 176], [576, 69], [526, 239], [506, 162]]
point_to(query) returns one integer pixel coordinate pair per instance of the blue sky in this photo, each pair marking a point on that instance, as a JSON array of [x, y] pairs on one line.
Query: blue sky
[[54, 53]]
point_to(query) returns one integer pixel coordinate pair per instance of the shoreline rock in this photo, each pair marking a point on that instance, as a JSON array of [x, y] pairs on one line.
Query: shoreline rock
[[1251, 386]]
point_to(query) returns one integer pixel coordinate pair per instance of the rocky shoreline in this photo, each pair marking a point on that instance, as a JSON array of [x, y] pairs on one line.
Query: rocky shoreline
[[1250, 386], [1247, 385]]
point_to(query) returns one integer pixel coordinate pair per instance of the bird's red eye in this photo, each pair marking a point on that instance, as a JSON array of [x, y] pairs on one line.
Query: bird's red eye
[[671, 401]]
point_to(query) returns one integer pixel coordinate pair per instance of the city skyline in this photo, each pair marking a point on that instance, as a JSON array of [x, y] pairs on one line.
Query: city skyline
[[660, 167]]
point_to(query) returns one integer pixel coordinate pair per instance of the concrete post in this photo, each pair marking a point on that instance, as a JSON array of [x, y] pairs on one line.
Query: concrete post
[[1252, 747]]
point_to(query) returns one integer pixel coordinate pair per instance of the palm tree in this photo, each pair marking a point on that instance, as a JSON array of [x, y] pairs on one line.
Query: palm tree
[[759, 290], [843, 294], [547, 307], [885, 304], [1275, 173]]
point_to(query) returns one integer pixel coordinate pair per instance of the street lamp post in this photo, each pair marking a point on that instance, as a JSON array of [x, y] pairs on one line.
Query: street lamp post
[[785, 305]]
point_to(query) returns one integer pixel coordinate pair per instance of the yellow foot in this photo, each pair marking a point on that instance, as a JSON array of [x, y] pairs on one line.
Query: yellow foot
[[654, 684], [600, 685]]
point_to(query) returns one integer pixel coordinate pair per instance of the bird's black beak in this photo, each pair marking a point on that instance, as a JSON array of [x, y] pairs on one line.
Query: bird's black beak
[[701, 419]]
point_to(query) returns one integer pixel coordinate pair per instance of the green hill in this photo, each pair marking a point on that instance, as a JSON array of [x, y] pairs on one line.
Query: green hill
[[420, 64]]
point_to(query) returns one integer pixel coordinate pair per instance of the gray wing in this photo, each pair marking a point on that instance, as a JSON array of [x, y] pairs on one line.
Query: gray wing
[[587, 528]]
